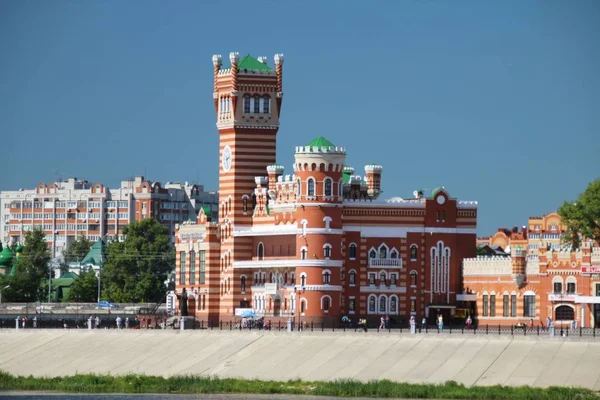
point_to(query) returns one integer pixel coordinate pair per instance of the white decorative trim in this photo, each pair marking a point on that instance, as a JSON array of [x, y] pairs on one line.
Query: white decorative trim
[[271, 230], [401, 231], [379, 289], [287, 263], [320, 288], [241, 124]]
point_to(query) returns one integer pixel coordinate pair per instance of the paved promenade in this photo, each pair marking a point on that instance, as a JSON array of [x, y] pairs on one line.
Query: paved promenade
[[432, 358]]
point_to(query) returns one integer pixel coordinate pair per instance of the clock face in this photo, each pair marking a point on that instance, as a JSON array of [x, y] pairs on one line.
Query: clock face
[[441, 199], [226, 159]]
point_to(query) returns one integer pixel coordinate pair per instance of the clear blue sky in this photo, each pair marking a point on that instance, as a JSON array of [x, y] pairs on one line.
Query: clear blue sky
[[497, 101]]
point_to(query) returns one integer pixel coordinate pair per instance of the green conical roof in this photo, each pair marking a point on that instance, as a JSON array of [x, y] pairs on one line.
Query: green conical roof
[[252, 63], [19, 248], [6, 257], [321, 142]]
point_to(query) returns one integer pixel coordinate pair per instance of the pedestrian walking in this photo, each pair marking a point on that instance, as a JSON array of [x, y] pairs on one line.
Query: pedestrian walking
[[382, 323], [424, 323], [119, 322], [413, 325], [440, 323], [127, 323]]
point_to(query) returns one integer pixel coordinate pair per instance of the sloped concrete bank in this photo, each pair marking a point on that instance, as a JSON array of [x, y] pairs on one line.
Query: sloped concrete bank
[[480, 361]]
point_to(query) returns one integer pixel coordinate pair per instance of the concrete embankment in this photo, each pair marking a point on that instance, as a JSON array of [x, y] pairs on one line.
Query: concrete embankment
[[482, 360]]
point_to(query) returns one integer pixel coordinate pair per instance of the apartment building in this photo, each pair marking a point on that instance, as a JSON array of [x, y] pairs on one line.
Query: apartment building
[[76, 208]]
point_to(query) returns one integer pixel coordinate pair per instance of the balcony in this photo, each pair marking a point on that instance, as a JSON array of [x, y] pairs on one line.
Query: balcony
[[385, 262]]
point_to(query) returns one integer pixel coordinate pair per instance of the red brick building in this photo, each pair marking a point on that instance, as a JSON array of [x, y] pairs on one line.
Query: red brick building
[[541, 278], [317, 242]]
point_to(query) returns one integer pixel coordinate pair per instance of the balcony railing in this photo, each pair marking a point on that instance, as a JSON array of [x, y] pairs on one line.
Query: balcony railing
[[385, 262]]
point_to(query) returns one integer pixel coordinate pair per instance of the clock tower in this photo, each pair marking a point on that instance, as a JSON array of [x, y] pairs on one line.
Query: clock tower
[[247, 99]]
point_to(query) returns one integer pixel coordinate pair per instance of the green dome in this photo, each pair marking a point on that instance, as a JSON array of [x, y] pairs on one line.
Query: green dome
[[19, 248], [321, 142], [6, 257]]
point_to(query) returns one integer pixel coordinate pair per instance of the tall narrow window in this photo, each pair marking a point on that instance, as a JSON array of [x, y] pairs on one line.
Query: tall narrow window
[[382, 304], [571, 287], [372, 279], [256, 105], [303, 280], [303, 254], [382, 279], [327, 251], [351, 305], [266, 104], [245, 204], [513, 305], [372, 254], [202, 266], [394, 254], [326, 277], [352, 278], [299, 187], [505, 305], [413, 252], [192, 267], [327, 185], [302, 306], [393, 305], [413, 305], [246, 104], [383, 252], [260, 253], [485, 305], [557, 287], [492, 305], [372, 304], [413, 278], [243, 284], [182, 268], [326, 304], [393, 279], [352, 251], [529, 306], [311, 187]]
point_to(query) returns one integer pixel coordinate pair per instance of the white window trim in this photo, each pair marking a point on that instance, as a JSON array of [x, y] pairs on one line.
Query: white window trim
[[355, 245], [369, 312], [350, 272], [323, 274], [330, 302], [325, 246], [314, 196], [305, 301], [325, 195], [387, 251], [386, 302], [390, 305], [305, 276], [327, 221], [301, 251]]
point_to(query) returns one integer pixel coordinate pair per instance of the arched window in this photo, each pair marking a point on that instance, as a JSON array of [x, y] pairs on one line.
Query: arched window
[[327, 251], [311, 187], [326, 277], [373, 254], [327, 221], [413, 252], [256, 104], [245, 204], [303, 306], [303, 253], [304, 224], [382, 304], [243, 284], [260, 251], [352, 251], [303, 280], [371, 304], [382, 278], [326, 303], [383, 251], [393, 304], [327, 190], [529, 305], [571, 285], [266, 104], [557, 284], [246, 104], [564, 313], [394, 253], [413, 278], [352, 278], [393, 279]]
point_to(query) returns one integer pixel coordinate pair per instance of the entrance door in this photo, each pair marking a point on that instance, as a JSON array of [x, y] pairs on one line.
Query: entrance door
[[244, 304], [276, 307]]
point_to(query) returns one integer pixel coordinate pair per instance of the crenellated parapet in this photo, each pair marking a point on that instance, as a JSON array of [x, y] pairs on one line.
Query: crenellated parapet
[[487, 266]]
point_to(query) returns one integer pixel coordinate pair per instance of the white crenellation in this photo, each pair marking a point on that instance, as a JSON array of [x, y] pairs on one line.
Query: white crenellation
[[261, 180], [320, 149], [234, 57], [275, 169], [278, 59], [487, 266], [372, 168], [216, 59]]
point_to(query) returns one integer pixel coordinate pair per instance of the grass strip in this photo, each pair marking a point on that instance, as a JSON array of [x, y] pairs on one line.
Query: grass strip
[[91, 383]]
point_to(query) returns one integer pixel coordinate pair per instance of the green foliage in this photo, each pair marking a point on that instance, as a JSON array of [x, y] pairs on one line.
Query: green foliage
[[76, 251], [135, 270], [84, 288], [31, 271], [341, 388], [582, 216]]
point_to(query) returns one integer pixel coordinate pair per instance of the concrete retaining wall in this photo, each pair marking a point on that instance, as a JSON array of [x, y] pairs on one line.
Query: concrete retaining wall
[[433, 358]]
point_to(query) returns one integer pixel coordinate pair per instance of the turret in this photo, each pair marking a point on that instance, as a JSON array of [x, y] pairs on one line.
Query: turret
[[274, 171], [373, 179], [216, 59], [279, 72], [518, 266]]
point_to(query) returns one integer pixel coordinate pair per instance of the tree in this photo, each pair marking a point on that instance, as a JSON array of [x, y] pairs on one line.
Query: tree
[[85, 287], [76, 252], [136, 269], [582, 216], [30, 280]]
